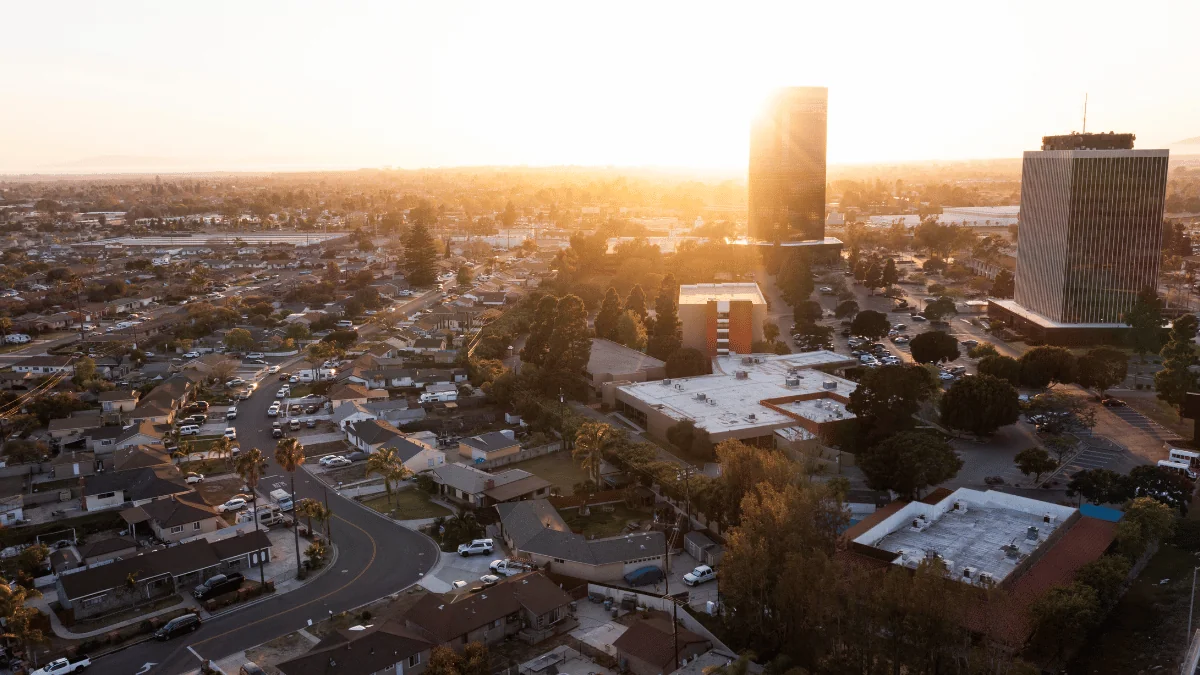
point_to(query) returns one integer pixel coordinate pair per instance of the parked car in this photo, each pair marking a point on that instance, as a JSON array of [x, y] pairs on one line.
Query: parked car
[[699, 575], [235, 382], [178, 626], [508, 567], [1112, 402], [971, 343], [191, 355], [489, 580], [273, 411], [644, 576], [189, 430], [219, 584], [475, 547], [273, 369], [231, 414], [256, 355], [235, 504], [293, 379], [231, 433], [192, 478], [63, 666], [356, 456], [338, 462], [324, 461], [310, 423]]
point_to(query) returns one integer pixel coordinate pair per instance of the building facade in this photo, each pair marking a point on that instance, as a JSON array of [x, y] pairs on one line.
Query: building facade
[[787, 166], [717, 319], [1091, 227]]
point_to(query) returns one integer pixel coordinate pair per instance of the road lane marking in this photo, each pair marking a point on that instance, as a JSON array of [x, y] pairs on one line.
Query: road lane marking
[[370, 561]]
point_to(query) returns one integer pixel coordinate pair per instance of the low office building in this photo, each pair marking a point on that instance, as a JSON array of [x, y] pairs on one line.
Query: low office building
[[767, 400], [719, 319], [612, 362], [534, 531]]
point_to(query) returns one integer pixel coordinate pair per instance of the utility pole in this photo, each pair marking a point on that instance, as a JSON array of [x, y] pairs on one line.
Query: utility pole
[[562, 418], [328, 521]]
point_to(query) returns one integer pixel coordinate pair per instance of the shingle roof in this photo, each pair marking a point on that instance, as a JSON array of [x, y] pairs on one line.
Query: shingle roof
[[374, 431], [535, 527], [147, 429], [517, 488], [472, 480], [489, 442], [117, 395], [110, 545], [447, 616], [172, 512], [610, 357], [371, 651], [138, 484], [652, 640], [138, 457], [175, 560], [405, 449]]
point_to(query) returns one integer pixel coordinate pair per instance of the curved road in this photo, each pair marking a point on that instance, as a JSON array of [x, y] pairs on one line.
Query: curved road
[[376, 557]]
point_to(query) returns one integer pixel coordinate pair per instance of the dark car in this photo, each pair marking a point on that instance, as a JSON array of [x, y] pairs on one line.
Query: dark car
[[644, 576], [283, 377], [219, 584], [1113, 402], [178, 626]]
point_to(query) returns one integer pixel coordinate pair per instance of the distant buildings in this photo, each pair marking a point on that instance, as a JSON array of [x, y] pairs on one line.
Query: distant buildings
[[721, 318], [1091, 234], [787, 166]]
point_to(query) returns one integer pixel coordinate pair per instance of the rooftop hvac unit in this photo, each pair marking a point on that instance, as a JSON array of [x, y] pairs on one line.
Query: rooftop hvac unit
[[986, 579], [752, 417], [701, 396], [679, 387], [747, 360], [792, 382], [960, 507], [829, 385], [741, 375], [712, 401], [758, 359], [1031, 534], [968, 572], [667, 381], [1047, 518], [1011, 551]]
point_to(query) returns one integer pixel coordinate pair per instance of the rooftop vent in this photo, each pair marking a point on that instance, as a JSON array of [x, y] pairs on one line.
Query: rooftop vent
[[747, 360], [968, 572], [712, 401], [960, 507], [1011, 551], [667, 381], [829, 385], [1032, 533], [791, 382], [1047, 518], [701, 396], [741, 375], [752, 417], [679, 387]]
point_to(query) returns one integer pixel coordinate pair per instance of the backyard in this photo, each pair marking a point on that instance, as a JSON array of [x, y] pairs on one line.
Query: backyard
[[407, 504], [602, 522], [558, 467]]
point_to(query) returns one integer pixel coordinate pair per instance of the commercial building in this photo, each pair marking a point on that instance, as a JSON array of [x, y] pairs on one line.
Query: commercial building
[[770, 400], [612, 362], [718, 319], [1091, 234], [787, 166]]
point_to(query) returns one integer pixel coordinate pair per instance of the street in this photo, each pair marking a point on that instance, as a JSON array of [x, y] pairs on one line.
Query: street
[[376, 557]]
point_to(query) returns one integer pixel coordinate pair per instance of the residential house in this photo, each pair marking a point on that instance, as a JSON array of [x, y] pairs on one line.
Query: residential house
[[70, 429], [137, 486], [12, 510], [466, 484], [111, 548], [527, 604], [102, 440], [11, 380], [73, 464], [369, 435], [176, 518], [141, 433], [415, 455], [395, 411], [489, 446], [655, 645], [45, 365], [429, 345], [533, 530], [354, 393], [163, 401], [382, 648], [494, 299], [114, 367], [118, 401], [137, 457], [156, 574], [699, 546]]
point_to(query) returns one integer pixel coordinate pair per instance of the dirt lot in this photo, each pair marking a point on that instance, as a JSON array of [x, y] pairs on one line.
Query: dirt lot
[[218, 490], [327, 448]]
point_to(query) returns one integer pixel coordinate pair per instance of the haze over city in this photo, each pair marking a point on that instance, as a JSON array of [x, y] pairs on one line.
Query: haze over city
[[142, 86]]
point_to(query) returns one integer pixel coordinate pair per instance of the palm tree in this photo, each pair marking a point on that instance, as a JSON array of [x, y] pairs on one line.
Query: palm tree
[[592, 439], [290, 455], [251, 466], [221, 447], [386, 464], [310, 508], [19, 619]]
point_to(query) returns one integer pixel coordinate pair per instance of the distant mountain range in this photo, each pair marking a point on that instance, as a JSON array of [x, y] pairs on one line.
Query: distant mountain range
[[1195, 140]]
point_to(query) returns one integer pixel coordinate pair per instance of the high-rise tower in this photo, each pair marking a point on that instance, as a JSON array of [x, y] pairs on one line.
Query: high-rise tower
[[787, 166]]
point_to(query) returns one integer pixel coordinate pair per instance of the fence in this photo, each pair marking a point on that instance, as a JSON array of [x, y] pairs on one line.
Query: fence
[[519, 456]]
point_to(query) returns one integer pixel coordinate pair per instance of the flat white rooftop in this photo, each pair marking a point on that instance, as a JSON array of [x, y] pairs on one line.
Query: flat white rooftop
[[702, 294], [972, 532], [781, 364], [731, 400], [1047, 322]]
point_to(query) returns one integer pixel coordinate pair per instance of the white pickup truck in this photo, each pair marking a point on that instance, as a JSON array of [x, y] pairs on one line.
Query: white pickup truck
[[508, 567], [63, 666]]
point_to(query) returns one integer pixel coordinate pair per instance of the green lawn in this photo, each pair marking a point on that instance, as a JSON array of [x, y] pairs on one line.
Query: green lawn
[[408, 504], [558, 467], [601, 523]]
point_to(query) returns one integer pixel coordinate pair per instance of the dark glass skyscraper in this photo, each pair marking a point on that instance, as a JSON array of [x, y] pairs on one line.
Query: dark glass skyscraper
[[787, 166], [1091, 227]]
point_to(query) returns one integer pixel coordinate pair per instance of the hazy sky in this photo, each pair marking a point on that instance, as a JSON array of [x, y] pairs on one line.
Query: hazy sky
[[260, 85]]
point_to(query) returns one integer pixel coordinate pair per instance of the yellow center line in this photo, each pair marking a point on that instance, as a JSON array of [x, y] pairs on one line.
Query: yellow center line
[[370, 561]]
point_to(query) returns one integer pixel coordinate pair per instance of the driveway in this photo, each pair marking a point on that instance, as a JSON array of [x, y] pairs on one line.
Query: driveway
[[376, 558]]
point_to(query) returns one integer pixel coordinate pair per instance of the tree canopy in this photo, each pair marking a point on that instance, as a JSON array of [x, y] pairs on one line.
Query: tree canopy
[[909, 462], [934, 346], [980, 404], [870, 324]]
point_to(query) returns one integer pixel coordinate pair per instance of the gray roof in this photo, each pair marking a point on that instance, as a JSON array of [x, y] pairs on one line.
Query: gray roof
[[489, 442], [405, 449], [138, 484], [472, 480], [610, 357], [535, 527]]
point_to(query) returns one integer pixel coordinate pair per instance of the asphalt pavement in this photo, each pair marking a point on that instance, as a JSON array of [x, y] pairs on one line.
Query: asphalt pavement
[[377, 557]]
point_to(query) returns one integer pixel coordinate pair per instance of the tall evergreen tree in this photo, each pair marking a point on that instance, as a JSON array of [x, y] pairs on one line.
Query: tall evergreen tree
[[665, 340], [890, 275], [570, 343], [636, 302], [420, 255], [540, 329], [1175, 379], [610, 313]]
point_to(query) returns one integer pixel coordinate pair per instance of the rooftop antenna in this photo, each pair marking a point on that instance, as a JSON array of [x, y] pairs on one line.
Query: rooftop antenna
[[1085, 96]]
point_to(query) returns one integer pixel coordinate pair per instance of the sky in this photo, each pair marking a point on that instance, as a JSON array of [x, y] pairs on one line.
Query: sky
[[250, 85]]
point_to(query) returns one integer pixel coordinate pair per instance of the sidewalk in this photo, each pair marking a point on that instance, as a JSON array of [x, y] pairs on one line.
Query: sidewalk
[[43, 604]]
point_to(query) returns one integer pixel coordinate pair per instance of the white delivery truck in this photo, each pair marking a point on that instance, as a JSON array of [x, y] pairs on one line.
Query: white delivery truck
[[438, 397], [282, 499]]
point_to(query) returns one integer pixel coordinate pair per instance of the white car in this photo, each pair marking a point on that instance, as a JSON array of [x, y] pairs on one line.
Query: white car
[[231, 433], [699, 575], [191, 355], [324, 461], [235, 504], [338, 462], [192, 478], [458, 584], [256, 355], [148, 355], [235, 382], [489, 579], [273, 369], [17, 338], [231, 414], [477, 546]]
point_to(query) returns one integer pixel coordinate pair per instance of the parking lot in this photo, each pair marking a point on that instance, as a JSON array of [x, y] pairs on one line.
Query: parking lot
[[1144, 424]]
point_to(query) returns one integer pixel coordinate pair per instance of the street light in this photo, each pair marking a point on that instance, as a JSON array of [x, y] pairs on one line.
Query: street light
[[562, 418]]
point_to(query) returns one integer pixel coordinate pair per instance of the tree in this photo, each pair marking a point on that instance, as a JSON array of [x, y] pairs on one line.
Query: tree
[[85, 370], [934, 347], [475, 659], [846, 309], [886, 400], [1098, 486], [630, 331], [540, 329], [1102, 368], [610, 314], [982, 349], [1035, 462], [980, 405], [444, 661], [909, 462], [289, 454], [636, 302], [315, 554], [1160, 484], [465, 276], [1107, 575], [1145, 321], [871, 324], [687, 362], [874, 278], [1176, 378], [1147, 520], [310, 510], [665, 339], [298, 331], [1042, 366], [420, 257], [940, 309], [221, 447], [1063, 615], [386, 464], [570, 343], [251, 466], [239, 339], [1004, 285], [591, 442], [807, 312], [20, 620], [794, 279], [770, 330], [890, 276]]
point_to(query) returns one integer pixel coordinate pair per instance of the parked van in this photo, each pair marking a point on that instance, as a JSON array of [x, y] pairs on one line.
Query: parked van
[[1188, 457], [282, 499], [344, 323], [178, 626], [189, 430], [438, 397], [268, 514], [1181, 467]]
